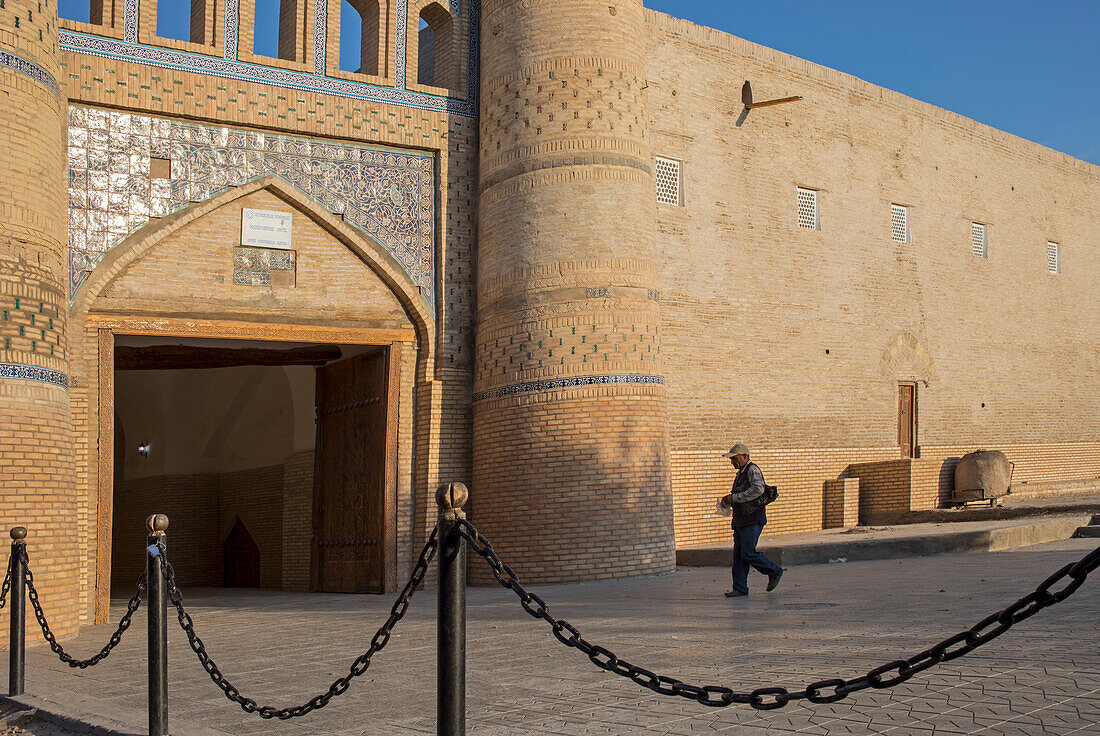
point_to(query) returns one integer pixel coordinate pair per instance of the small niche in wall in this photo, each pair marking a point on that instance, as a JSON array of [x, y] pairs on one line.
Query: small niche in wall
[[160, 168]]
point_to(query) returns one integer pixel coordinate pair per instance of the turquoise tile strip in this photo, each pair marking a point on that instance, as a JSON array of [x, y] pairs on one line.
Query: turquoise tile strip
[[573, 382], [23, 372], [32, 70]]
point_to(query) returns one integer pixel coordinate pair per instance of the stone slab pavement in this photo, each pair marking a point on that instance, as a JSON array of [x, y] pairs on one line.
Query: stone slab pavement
[[824, 621]]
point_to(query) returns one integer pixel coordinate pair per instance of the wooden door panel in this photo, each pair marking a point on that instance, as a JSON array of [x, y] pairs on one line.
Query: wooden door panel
[[349, 511], [906, 418]]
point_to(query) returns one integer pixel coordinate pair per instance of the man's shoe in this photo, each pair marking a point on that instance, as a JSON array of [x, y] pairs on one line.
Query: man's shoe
[[734, 593], [773, 581]]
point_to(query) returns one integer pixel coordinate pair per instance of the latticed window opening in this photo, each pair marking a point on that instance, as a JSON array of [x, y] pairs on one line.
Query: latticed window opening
[[807, 209], [978, 240], [668, 181], [1054, 260], [899, 223]]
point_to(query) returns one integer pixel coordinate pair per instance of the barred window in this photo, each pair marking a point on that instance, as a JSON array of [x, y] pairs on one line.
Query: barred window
[[899, 223], [978, 242], [669, 179], [1054, 258], [807, 209]]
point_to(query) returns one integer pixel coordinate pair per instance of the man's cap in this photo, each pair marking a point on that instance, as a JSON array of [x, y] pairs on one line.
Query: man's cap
[[737, 449]]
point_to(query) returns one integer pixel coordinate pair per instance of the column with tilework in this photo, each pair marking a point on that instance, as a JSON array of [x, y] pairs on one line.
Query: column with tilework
[[37, 487], [571, 465]]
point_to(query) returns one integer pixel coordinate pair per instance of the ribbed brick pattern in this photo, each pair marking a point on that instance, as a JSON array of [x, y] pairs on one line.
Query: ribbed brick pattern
[[571, 483], [37, 486]]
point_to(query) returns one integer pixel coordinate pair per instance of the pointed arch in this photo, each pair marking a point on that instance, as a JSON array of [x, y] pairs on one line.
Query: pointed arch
[[388, 269], [906, 358]]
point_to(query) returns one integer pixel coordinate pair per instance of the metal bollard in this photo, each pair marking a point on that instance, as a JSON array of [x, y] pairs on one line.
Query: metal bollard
[[17, 603], [451, 626], [158, 627]]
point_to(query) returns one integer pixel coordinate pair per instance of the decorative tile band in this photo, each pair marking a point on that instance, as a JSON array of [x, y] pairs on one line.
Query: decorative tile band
[[197, 63], [34, 373], [32, 70], [555, 383], [232, 22], [399, 54], [320, 37], [130, 21]]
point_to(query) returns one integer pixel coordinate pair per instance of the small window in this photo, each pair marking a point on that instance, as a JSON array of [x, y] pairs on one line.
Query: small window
[[435, 65], [82, 11], [181, 20], [899, 223], [668, 174], [275, 29], [807, 209], [1054, 258], [978, 240]]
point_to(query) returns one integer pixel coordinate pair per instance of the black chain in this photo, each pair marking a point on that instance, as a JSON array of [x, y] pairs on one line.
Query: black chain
[[822, 691], [339, 686], [123, 624], [7, 582]]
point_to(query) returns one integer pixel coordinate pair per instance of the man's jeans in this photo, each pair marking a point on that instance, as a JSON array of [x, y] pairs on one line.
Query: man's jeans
[[746, 554]]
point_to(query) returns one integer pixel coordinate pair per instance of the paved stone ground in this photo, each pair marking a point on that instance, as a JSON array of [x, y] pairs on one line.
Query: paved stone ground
[[1043, 677]]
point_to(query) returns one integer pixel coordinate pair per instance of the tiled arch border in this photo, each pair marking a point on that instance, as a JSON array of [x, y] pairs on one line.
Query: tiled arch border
[[129, 49]]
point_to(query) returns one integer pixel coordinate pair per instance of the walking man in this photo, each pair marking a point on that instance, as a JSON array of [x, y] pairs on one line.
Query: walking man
[[749, 518]]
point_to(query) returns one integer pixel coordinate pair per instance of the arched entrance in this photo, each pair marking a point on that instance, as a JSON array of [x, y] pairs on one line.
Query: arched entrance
[[232, 385]]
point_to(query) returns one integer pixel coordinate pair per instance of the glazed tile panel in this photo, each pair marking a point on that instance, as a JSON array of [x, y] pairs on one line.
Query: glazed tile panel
[[385, 193]]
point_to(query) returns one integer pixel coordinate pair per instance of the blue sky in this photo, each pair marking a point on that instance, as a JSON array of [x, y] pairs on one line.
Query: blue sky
[[1028, 68]]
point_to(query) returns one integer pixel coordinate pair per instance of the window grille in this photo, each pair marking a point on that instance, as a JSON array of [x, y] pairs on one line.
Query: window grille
[[807, 209], [978, 241], [1054, 261], [668, 181], [899, 223]]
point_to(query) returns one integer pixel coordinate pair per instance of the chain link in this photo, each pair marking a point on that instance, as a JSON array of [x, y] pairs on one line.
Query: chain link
[[824, 691], [116, 637], [339, 686], [7, 582]]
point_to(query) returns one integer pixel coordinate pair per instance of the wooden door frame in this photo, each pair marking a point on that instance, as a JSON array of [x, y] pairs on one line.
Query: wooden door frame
[[913, 450], [108, 326]]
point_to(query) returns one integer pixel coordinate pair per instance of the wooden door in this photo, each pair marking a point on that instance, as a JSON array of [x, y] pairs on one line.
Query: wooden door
[[907, 418], [349, 509]]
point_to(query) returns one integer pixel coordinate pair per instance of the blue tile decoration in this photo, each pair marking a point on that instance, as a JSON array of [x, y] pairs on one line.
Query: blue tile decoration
[[555, 383], [388, 194], [34, 373], [229, 68], [232, 25], [320, 36], [32, 70]]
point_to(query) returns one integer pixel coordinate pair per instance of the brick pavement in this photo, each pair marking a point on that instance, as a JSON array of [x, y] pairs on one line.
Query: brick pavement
[[1043, 677]]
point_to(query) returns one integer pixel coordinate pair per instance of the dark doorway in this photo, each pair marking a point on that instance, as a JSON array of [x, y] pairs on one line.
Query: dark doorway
[[241, 559], [350, 485]]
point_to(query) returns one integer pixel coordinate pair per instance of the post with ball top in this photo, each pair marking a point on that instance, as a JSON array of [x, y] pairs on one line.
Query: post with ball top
[[451, 632], [155, 571]]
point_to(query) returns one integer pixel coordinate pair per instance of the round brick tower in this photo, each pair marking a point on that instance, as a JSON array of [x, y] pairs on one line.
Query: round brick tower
[[571, 469], [37, 483]]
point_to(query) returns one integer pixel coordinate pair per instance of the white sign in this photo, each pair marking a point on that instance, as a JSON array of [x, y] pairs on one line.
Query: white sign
[[265, 229]]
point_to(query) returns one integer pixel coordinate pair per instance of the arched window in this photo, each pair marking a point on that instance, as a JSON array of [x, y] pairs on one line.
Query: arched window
[[275, 30], [360, 29], [82, 11], [182, 21], [435, 60]]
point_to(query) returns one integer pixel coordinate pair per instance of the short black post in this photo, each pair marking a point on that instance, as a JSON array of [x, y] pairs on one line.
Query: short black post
[[451, 636], [158, 626], [17, 604]]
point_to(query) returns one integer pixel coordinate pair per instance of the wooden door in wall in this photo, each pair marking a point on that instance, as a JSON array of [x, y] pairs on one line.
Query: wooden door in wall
[[349, 500], [907, 418]]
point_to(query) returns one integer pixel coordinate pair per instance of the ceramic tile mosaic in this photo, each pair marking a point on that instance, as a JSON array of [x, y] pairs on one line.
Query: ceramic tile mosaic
[[34, 373], [387, 194], [523, 388], [32, 70]]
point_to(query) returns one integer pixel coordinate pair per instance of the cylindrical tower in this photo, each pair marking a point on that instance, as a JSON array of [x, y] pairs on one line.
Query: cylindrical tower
[[571, 468], [37, 483]]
